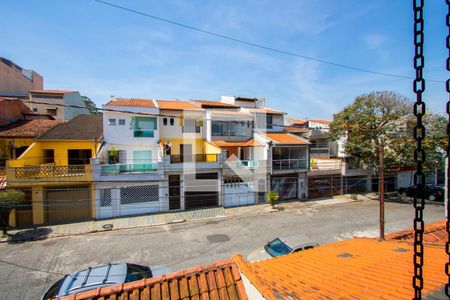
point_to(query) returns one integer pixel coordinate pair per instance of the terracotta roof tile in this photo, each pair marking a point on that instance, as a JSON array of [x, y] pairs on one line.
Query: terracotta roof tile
[[285, 138], [248, 143], [265, 111], [434, 233], [353, 269], [214, 104], [303, 122], [177, 105], [80, 128], [293, 129], [28, 128], [132, 102], [216, 281], [61, 92]]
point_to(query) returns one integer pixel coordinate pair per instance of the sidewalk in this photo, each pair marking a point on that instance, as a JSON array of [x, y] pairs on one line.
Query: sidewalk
[[169, 218]]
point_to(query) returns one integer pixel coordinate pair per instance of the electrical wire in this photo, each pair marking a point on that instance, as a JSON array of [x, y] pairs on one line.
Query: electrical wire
[[255, 45]]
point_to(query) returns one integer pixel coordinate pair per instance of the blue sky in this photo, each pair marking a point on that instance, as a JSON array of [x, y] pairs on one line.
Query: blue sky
[[102, 51]]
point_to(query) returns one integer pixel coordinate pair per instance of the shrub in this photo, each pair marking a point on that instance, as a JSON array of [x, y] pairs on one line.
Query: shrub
[[9, 200], [273, 198]]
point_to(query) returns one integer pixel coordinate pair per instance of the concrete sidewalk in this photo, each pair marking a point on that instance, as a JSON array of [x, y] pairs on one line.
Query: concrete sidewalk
[[299, 207]]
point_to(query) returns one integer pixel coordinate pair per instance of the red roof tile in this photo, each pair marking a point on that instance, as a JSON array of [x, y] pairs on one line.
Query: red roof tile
[[249, 143], [293, 129], [28, 128], [177, 105], [303, 122], [214, 104], [286, 138], [434, 233], [220, 281], [353, 269], [132, 102]]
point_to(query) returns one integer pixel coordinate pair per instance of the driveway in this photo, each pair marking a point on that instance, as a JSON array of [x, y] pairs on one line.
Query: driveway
[[27, 268]]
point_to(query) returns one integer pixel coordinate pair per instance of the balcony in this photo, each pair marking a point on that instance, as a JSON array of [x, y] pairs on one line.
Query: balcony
[[325, 166], [197, 158], [48, 173], [122, 169], [143, 133], [289, 164]]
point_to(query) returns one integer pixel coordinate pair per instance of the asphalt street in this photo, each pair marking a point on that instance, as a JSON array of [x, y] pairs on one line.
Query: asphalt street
[[26, 269]]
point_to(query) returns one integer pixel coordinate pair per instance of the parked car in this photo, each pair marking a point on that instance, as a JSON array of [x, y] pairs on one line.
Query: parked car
[[101, 276], [281, 246], [430, 192]]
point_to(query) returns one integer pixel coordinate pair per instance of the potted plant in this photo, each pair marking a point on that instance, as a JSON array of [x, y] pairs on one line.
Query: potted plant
[[113, 156], [273, 198]]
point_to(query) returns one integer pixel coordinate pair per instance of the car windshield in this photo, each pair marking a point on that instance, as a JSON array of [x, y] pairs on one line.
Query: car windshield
[[136, 272], [277, 248]]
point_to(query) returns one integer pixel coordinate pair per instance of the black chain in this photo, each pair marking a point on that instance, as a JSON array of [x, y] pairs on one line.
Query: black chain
[[447, 87], [419, 154]]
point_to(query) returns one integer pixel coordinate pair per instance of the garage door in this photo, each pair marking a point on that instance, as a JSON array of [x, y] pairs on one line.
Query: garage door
[[238, 193], [201, 199], [286, 187], [67, 204], [326, 186]]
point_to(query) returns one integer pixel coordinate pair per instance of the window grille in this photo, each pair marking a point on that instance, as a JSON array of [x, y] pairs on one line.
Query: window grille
[[139, 194], [105, 197]]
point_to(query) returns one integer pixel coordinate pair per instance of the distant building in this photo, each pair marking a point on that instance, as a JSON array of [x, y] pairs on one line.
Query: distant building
[[16, 81], [57, 103]]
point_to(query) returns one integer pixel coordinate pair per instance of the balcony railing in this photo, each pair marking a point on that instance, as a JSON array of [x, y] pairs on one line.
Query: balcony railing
[[250, 163], [31, 172], [326, 165], [319, 150], [289, 164], [176, 158], [116, 169]]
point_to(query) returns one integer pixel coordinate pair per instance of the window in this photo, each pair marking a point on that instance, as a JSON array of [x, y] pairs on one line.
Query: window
[[121, 121], [206, 176], [139, 194], [172, 122], [112, 121], [52, 111], [190, 126], [269, 121], [143, 126], [49, 156], [165, 121], [35, 109], [277, 248], [105, 197]]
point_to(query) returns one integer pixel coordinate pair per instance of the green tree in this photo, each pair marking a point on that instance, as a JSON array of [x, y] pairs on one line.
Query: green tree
[[387, 117], [9, 200], [92, 107]]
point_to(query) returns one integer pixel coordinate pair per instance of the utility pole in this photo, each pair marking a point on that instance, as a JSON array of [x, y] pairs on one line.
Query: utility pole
[[381, 187]]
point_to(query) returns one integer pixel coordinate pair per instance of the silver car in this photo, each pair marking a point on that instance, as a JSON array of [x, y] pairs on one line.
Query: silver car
[[101, 276], [281, 246]]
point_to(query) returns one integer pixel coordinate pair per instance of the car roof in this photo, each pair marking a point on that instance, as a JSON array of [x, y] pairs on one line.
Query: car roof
[[297, 241], [97, 276]]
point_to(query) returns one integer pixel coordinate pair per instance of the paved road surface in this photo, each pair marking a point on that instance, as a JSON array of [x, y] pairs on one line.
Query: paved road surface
[[27, 268]]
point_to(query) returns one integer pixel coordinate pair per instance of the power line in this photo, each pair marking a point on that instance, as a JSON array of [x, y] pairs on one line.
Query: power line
[[255, 45]]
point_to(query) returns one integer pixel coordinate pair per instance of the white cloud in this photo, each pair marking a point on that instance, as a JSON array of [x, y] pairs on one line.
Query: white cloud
[[374, 41]]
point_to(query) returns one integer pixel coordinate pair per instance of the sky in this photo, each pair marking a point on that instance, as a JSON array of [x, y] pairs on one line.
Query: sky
[[103, 51]]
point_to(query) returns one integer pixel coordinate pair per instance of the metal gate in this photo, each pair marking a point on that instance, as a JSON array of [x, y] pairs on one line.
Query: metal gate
[[324, 186], [67, 204]]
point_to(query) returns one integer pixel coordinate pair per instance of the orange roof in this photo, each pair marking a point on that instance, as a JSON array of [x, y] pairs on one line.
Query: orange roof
[[216, 281], [285, 138], [293, 129], [248, 143], [215, 104], [132, 102], [51, 91], [303, 122], [353, 269], [434, 233], [265, 111], [229, 112], [176, 105]]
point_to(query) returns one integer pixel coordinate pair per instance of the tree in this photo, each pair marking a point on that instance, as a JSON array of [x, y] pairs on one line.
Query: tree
[[9, 200], [388, 117], [91, 106]]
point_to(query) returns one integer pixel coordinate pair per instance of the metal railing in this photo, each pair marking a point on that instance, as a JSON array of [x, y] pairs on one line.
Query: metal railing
[[325, 165], [116, 169], [177, 158], [289, 164], [50, 171]]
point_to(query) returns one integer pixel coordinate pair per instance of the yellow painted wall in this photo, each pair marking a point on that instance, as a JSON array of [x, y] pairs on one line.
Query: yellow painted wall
[[35, 153], [4, 151]]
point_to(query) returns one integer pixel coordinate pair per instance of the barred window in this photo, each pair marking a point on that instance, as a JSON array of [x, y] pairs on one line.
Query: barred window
[[105, 197], [139, 194]]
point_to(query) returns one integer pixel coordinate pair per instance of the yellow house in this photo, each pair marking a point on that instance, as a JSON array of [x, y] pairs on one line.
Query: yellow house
[[55, 173]]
